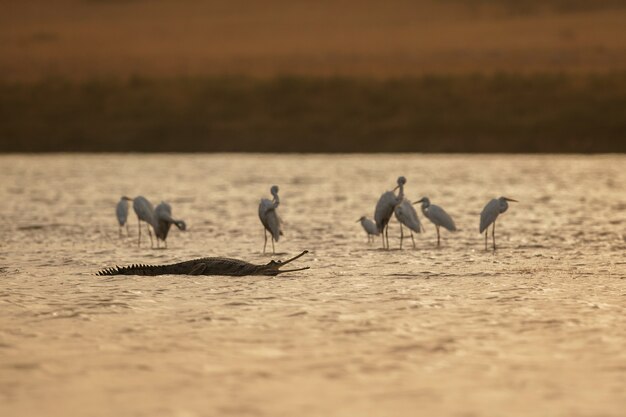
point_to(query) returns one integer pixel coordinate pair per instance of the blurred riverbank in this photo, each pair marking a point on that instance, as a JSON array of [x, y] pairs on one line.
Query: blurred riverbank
[[437, 113]]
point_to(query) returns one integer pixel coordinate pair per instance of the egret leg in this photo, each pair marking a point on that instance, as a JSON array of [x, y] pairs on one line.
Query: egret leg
[[382, 236], [127, 230], [273, 251], [165, 244], [486, 231], [401, 235], [387, 236], [120, 232], [150, 234], [413, 240], [437, 227], [139, 233], [493, 235], [265, 243]]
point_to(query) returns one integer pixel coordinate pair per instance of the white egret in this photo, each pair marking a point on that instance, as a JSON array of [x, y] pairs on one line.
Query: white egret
[[160, 219], [370, 228], [121, 211], [269, 217], [489, 215], [145, 212], [406, 215], [385, 207], [437, 216], [164, 220]]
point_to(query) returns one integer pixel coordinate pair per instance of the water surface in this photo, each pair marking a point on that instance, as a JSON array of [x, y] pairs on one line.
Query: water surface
[[537, 328]]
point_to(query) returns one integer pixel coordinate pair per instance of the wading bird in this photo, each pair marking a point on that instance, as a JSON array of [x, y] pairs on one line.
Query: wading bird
[[437, 216], [121, 211], [160, 219], [489, 215], [145, 212], [164, 220], [406, 215], [385, 207], [369, 227], [269, 217]]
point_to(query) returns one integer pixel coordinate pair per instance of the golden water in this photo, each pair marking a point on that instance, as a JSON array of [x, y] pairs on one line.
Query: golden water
[[538, 328]]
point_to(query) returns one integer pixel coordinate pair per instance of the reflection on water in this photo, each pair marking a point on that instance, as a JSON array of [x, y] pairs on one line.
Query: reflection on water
[[537, 326]]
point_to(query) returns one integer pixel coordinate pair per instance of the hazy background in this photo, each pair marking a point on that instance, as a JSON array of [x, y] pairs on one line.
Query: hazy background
[[324, 76]]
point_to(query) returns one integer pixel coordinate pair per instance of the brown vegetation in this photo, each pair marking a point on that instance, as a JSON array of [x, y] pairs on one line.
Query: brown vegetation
[[501, 113], [96, 75]]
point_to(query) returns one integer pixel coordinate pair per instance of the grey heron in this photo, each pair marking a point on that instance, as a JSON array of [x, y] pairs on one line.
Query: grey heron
[[164, 220], [406, 215], [385, 207], [121, 211], [269, 217], [489, 215], [437, 216], [369, 226]]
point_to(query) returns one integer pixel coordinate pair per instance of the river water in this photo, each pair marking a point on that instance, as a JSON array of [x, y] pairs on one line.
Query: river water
[[537, 328]]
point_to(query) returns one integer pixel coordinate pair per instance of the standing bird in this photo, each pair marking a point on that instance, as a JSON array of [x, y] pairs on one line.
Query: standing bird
[[369, 227], [385, 207], [145, 212], [437, 216], [164, 220], [489, 215], [406, 215], [121, 211], [269, 217]]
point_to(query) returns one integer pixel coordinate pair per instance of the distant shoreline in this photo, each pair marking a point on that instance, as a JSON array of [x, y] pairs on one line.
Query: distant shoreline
[[501, 113]]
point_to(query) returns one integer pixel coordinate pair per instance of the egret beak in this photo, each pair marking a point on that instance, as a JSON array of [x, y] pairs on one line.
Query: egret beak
[[421, 200], [510, 199], [396, 188], [358, 220]]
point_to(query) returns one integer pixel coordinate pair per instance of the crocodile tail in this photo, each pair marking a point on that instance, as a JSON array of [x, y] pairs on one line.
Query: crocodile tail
[[108, 271], [135, 269]]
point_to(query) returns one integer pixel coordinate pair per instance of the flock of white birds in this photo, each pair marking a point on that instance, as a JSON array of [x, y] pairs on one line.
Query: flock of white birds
[[389, 204], [160, 219]]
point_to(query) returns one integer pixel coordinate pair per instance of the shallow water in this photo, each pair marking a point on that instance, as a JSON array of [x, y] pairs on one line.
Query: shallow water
[[537, 328]]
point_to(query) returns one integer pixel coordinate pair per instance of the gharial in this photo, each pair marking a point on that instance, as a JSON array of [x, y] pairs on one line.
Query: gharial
[[206, 266]]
